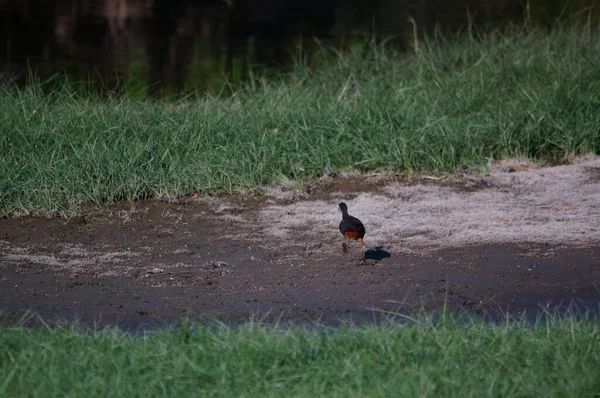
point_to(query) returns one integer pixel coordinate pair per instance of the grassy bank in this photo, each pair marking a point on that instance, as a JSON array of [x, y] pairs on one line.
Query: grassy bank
[[555, 358], [457, 102]]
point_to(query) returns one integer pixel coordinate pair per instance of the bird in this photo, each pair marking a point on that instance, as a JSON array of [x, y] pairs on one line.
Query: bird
[[351, 228]]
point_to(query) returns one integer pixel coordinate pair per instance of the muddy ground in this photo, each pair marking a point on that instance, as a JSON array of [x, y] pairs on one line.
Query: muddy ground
[[515, 239]]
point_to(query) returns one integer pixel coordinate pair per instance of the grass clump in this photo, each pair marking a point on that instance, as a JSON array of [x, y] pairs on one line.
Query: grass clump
[[464, 101], [557, 357]]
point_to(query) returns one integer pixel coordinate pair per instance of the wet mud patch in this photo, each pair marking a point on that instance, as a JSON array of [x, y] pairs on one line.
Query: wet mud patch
[[526, 237]]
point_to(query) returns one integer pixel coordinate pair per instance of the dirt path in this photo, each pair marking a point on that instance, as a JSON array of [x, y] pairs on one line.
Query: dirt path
[[516, 239]]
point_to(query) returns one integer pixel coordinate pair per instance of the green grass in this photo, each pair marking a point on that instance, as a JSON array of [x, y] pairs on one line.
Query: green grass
[[559, 357], [461, 101]]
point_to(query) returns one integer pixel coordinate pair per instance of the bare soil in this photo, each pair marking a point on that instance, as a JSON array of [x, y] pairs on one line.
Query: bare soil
[[515, 239]]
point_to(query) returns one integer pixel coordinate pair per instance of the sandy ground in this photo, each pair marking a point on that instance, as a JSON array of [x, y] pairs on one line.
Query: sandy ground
[[515, 239]]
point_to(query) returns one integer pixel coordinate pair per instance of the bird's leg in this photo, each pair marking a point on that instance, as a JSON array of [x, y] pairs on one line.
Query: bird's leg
[[346, 246], [362, 245]]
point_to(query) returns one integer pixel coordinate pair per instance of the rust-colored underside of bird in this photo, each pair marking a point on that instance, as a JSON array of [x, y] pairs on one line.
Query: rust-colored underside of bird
[[352, 235]]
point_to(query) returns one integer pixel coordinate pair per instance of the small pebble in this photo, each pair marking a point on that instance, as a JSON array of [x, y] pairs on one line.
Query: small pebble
[[155, 271]]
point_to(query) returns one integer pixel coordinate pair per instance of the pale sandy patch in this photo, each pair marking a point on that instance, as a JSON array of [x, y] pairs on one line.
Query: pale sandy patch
[[553, 205]]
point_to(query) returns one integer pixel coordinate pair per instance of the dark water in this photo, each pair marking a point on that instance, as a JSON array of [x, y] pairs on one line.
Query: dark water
[[192, 44]]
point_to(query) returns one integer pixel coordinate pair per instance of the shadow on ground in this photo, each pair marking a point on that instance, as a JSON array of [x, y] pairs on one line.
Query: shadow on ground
[[377, 254]]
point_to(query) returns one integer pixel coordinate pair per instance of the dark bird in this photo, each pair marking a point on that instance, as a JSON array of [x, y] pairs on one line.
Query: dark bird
[[351, 228]]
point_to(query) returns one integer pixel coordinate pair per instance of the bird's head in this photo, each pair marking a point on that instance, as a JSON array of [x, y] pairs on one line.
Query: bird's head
[[343, 208]]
